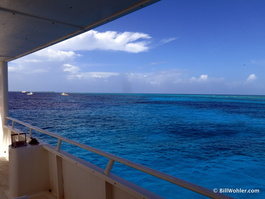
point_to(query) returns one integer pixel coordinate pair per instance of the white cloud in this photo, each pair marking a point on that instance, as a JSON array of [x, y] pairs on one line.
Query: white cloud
[[72, 78], [158, 78], [59, 61], [27, 69], [47, 55], [74, 72], [204, 77], [168, 40], [173, 81], [12, 68], [64, 52], [257, 62], [133, 42], [32, 60], [251, 78], [201, 78], [41, 61], [98, 75], [70, 68], [92, 40], [50, 54], [157, 63]]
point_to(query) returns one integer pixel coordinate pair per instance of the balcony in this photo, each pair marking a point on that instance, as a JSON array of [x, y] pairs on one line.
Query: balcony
[[46, 171]]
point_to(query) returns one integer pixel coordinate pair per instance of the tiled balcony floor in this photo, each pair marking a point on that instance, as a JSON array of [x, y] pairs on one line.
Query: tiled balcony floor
[[3, 178]]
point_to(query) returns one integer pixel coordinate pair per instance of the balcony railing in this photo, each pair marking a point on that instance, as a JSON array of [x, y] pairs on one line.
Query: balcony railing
[[113, 158]]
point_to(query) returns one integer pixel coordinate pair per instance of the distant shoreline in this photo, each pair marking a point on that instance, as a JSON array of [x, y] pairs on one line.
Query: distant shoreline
[[189, 94]]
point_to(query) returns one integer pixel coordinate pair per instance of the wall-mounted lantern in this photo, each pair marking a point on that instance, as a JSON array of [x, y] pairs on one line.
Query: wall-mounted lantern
[[18, 140]]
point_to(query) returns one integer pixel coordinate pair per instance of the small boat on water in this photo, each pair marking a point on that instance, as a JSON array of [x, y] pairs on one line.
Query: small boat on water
[[23, 91], [30, 93], [64, 94]]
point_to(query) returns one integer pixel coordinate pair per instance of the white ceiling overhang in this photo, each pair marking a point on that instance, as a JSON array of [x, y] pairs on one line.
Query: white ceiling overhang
[[29, 25]]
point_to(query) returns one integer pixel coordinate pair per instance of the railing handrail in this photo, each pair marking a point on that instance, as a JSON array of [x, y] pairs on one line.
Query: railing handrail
[[177, 181]]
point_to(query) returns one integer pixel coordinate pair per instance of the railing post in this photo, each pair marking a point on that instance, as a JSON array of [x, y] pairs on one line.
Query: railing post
[[58, 145], [109, 167], [30, 132], [13, 124]]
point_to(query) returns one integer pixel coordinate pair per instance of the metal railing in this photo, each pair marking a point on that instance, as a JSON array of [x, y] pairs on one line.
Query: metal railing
[[112, 158]]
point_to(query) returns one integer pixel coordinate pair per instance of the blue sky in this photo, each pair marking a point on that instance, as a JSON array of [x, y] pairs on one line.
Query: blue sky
[[173, 46]]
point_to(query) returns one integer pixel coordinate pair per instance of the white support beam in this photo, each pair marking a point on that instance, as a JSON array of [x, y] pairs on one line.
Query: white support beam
[[4, 138]]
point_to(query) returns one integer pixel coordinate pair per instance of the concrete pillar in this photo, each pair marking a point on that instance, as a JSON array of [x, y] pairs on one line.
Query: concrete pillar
[[4, 138]]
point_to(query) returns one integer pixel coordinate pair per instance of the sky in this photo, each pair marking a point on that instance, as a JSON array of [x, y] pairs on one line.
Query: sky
[[172, 46]]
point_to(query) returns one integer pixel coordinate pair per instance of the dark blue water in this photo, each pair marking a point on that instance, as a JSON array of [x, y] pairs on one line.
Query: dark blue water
[[213, 140]]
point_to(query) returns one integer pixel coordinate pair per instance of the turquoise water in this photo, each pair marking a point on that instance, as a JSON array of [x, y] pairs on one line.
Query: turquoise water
[[215, 141]]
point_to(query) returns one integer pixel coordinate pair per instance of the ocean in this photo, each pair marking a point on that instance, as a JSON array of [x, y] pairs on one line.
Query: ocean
[[216, 141]]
